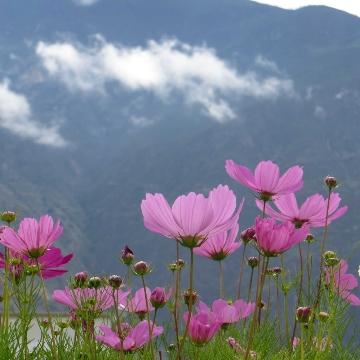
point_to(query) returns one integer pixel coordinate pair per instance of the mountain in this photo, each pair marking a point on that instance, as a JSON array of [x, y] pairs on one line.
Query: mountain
[[96, 182]]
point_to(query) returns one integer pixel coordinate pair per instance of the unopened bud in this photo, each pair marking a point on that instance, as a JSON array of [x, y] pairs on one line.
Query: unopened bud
[[180, 264], [253, 261], [127, 256], [94, 282], [171, 347], [141, 268], [172, 267], [14, 261], [8, 216], [303, 314], [115, 281], [323, 316], [331, 182], [158, 298], [330, 258], [310, 238], [190, 296], [247, 235], [31, 269], [80, 278]]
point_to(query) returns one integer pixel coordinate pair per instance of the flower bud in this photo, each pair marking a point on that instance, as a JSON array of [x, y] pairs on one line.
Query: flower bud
[[8, 216], [32, 269], [180, 263], [330, 182], [310, 238], [330, 258], [127, 256], [171, 347], [158, 298], [115, 281], [80, 278], [253, 261], [44, 323], [95, 282], [303, 314], [273, 271], [172, 267], [14, 261], [190, 296], [141, 268], [247, 235], [323, 316]]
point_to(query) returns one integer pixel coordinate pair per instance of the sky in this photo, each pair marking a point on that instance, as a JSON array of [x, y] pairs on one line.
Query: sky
[[350, 6]]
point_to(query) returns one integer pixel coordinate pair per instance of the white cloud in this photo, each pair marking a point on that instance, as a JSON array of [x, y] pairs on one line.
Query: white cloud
[[140, 121], [16, 117], [319, 112], [265, 63], [350, 6], [85, 2], [163, 68]]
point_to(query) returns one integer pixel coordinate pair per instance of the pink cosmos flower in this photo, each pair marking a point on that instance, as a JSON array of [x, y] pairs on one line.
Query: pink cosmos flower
[[219, 246], [228, 313], [202, 326], [311, 212], [193, 217], [131, 338], [33, 237], [344, 282], [273, 239], [85, 299], [138, 303], [49, 263], [266, 179]]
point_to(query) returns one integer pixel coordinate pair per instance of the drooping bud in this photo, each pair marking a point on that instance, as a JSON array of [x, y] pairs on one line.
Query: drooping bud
[[303, 314], [80, 278], [323, 316], [158, 298], [141, 268], [190, 295], [330, 182], [310, 238], [8, 216], [115, 281], [248, 235], [95, 282], [253, 261], [127, 256]]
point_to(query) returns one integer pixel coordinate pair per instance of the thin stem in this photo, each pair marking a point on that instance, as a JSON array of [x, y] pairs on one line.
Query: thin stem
[[176, 304], [241, 273], [6, 295], [148, 316], [302, 342], [191, 273], [221, 280]]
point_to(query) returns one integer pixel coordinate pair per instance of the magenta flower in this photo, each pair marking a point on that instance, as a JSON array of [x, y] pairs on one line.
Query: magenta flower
[[33, 237], [273, 239], [193, 217], [228, 313], [159, 297], [138, 303], [219, 246], [266, 179], [131, 338], [311, 212], [94, 300], [49, 263], [202, 326], [343, 282]]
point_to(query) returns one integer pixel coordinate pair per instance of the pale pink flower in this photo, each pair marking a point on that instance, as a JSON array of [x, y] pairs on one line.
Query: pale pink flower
[[94, 300], [33, 237], [266, 179], [228, 313], [192, 218], [137, 304], [49, 263], [219, 246], [311, 212], [273, 239], [202, 326], [131, 338], [344, 282]]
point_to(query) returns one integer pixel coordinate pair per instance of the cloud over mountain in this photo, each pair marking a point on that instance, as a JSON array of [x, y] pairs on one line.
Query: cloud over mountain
[[163, 68], [16, 117]]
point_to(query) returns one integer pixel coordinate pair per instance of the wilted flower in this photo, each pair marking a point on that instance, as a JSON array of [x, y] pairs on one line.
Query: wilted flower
[[253, 261], [188, 295], [273, 239], [192, 218], [33, 237], [266, 180], [247, 235], [303, 314], [313, 211], [132, 339]]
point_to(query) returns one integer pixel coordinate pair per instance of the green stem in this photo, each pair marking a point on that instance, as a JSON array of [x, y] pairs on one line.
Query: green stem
[[241, 273], [221, 280], [148, 317]]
